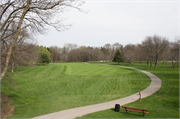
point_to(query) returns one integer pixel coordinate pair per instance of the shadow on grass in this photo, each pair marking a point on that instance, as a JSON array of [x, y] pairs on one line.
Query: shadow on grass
[[129, 113]]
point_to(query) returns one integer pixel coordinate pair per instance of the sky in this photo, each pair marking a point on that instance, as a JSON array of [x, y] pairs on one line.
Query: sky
[[116, 21]]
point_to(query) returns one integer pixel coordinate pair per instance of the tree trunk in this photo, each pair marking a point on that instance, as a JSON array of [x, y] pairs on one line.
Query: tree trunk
[[14, 41], [147, 62], [12, 67], [150, 63], [173, 67], [156, 61], [155, 65]]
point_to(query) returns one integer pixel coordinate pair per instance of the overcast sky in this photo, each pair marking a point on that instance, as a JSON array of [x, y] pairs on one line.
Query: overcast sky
[[111, 21]]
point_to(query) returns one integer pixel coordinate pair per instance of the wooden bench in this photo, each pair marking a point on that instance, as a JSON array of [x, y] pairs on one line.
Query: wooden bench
[[135, 109]]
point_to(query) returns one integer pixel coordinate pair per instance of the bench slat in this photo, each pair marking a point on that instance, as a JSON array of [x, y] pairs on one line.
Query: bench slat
[[134, 108]]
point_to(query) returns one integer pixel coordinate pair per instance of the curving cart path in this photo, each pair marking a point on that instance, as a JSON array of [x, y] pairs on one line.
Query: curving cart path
[[80, 111]]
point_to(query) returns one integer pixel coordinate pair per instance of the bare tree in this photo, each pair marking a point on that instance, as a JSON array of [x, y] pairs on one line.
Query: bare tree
[[70, 46], [154, 47], [33, 15], [55, 53], [129, 52], [96, 53], [109, 55], [64, 57], [140, 55], [174, 52], [23, 50], [85, 54], [73, 55]]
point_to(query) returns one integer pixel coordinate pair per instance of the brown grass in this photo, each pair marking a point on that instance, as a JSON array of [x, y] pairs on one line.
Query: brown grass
[[6, 107]]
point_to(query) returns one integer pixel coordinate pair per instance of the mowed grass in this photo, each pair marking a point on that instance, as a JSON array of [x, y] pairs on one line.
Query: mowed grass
[[163, 104], [58, 86]]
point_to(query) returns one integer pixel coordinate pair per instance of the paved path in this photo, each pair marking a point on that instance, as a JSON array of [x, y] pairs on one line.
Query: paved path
[[80, 111]]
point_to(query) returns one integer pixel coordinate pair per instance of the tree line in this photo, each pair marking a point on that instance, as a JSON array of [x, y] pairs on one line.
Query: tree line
[[152, 49]]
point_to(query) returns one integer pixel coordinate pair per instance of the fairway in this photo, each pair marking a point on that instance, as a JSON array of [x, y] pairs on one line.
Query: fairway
[[163, 104], [58, 86]]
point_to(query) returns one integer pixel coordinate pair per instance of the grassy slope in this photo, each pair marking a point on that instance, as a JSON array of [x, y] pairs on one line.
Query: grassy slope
[[163, 104], [46, 89]]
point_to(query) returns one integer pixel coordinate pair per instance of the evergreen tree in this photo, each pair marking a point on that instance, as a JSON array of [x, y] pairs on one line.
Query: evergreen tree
[[43, 50], [118, 57], [44, 58]]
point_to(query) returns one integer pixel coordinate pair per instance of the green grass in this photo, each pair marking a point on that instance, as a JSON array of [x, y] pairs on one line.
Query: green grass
[[163, 104], [45, 89]]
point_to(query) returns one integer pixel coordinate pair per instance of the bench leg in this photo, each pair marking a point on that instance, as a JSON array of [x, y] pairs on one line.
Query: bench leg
[[126, 110], [143, 114]]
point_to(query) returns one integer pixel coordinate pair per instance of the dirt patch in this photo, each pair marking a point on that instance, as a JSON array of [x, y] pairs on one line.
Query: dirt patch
[[6, 107]]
